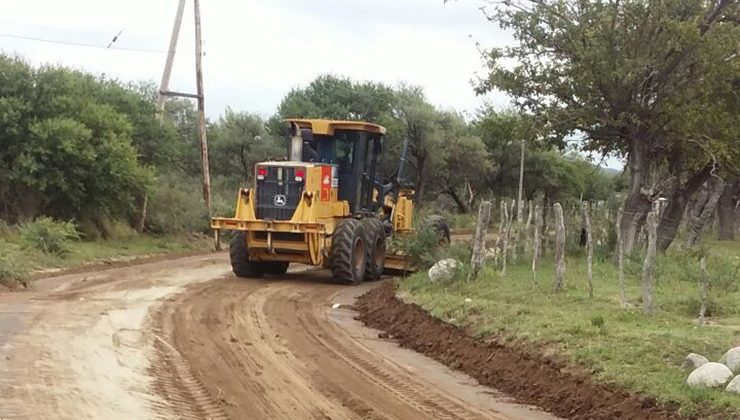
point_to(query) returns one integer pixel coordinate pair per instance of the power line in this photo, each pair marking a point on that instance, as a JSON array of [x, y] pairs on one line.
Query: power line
[[80, 44]]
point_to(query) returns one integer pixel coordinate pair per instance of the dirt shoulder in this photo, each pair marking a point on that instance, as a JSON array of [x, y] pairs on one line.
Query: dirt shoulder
[[515, 371]]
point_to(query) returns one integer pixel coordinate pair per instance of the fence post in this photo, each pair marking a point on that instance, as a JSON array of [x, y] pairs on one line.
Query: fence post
[[620, 256], [507, 233], [651, 226], [527, 228], [586, 208], [704, 288], [479, 240], [559, 247], [537, 242]]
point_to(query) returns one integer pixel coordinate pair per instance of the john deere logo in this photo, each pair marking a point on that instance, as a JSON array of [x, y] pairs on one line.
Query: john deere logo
[[280, 200]]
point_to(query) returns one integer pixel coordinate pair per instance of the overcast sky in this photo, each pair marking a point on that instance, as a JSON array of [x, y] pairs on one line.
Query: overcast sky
[[256, 50]]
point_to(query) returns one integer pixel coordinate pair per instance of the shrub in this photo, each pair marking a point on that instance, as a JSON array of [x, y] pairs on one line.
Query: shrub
[[48, 235], [176, 206], [5, 230], [13, 268]]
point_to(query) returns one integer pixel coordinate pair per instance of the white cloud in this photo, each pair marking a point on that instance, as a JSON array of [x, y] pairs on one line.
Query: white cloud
[[257, 50]]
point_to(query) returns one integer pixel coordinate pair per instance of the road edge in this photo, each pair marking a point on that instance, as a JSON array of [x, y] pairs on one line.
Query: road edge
[[528, 378]]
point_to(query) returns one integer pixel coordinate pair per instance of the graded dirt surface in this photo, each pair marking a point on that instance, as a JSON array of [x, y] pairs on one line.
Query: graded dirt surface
[[184, 338], [518, 371]]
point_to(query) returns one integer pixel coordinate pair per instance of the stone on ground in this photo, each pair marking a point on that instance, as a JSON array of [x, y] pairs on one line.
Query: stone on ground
[[709, 375], [443, 270], [693, 361], [734, 385], [731, 359]]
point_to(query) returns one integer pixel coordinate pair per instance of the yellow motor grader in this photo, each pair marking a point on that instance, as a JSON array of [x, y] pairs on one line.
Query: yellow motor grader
[[323, 207]]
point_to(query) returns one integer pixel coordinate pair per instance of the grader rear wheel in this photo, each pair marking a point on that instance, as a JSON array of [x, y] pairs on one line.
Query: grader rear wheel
[[375, 240], [348, 252], [239, 255]]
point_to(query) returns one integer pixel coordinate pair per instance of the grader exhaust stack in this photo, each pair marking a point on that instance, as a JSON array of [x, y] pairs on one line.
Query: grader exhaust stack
[[296, 143]]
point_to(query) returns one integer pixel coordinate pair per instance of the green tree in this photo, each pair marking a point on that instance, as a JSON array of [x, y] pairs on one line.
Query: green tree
[[238, 141], [66, 152], [644, 79]]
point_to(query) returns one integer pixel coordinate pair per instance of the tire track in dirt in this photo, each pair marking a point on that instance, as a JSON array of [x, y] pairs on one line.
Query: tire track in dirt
[[266, 349]]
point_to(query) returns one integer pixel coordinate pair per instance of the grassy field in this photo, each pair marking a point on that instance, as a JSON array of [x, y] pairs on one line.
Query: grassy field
[[19, 262], [618, 346]]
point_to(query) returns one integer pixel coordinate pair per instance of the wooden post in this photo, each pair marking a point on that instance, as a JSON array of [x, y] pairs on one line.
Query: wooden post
[[479, 240], [620, 258], [704, 288], [201, 111], [527, 228], [500, 239], [165, 83], [546, 217], [586, 208], [537, 242], [559, 248], [520, 203], [651, 226], [505, 235]]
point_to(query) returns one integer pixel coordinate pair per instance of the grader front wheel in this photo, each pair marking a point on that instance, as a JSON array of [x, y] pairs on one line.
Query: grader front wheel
[[375, 240], [348, 252]]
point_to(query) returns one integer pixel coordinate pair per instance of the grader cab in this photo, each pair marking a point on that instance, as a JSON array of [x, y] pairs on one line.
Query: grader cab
[[323, 207]]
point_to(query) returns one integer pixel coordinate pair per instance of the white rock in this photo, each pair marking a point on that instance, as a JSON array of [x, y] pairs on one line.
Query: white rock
[[693, 361], [710, 375], [336, 305], [491, 253], [731, 359], [468, 300], [443, 270], [734, 385]]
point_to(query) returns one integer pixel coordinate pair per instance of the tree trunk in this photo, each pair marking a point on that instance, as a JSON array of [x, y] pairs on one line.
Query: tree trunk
[[672, 215], [460, 204], [703, 217], [726, 209], [420, 176], [636, 205], [141, 219]]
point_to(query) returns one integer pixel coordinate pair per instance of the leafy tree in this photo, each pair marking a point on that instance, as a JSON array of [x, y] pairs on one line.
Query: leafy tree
[[648, 80], [238, 141], [66, 152]]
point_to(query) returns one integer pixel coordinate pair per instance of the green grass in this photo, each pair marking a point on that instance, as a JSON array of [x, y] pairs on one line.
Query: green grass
[[622, 347], [89, 252]]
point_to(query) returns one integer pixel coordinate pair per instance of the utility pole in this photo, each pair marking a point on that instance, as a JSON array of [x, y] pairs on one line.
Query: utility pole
[[164, 85], [200, 95], [201, 110]]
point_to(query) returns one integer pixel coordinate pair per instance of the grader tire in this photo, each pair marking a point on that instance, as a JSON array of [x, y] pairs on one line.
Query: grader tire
[[348, 252], [375, 243], [239, 255]]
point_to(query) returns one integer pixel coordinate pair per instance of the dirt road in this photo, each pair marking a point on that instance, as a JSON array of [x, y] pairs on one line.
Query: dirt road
[[184, 338]]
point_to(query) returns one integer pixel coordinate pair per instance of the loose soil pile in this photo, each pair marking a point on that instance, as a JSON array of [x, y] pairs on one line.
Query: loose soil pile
[[526, 377]]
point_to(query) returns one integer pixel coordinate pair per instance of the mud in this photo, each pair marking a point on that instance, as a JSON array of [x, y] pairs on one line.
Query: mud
[[184, 338], [290, 348], [523, 374]]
